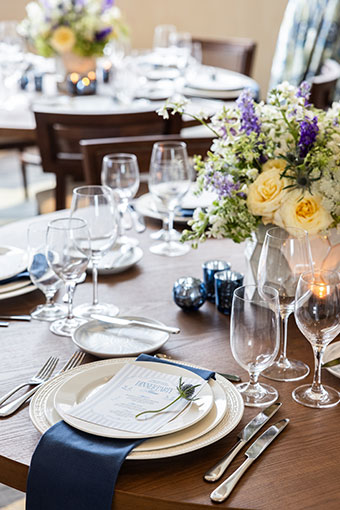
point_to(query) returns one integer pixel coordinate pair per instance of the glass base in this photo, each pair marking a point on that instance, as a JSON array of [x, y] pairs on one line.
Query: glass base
[[163, 235], [257, 395], [327, 397], [121, 240], [49, 313], [65, 327], [286, 370], [171, 249], [86, 310]]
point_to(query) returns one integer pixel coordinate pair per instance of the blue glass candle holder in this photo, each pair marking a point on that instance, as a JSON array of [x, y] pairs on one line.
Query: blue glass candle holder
[[189, 293], [209, 269], [225, 284]]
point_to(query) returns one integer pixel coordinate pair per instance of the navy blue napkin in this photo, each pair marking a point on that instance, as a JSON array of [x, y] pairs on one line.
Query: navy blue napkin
[[73, 470], [24, 275]]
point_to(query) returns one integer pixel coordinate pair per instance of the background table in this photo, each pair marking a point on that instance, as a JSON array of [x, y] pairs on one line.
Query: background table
[[299, 471]]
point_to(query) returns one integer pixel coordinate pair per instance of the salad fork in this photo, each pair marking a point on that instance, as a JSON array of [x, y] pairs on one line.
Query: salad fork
[[75, 360], [41, 376]]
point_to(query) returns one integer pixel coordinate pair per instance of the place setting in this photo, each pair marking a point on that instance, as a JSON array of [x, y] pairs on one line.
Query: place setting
[[14, 278]]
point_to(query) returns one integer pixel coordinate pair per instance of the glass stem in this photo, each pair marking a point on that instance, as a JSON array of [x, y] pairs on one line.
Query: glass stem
[[253, 379], [284, 337], [170, 224], [318, 351], [95, 282], [70, 287], [49, 299]]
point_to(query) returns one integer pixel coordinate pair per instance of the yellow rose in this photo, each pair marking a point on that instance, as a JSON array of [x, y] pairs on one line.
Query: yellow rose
[[63, 39], [266, 193], [304, 211]]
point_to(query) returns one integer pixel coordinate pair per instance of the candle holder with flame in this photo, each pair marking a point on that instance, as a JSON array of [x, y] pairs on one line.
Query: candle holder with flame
[[317, 314], [79, 85]]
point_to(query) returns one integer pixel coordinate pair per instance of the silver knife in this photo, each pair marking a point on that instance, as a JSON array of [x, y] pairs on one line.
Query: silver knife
[[249, 431], [119, 321], [15, 317], [331, 363], [4, 324], [224, 489]]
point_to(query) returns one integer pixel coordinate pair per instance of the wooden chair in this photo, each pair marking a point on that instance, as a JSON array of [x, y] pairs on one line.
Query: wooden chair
[[58, 136], [94, 150], [324, 85], [18, 144], [236, 54]]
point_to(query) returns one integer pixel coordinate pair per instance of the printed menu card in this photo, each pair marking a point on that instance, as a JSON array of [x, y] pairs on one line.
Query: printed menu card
[[132, 390]]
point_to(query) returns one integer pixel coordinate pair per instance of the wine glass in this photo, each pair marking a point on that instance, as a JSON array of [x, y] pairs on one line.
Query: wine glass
[[317, 315], [120, 172], [169, 180], [42, 275], [68, 252], [285, 255], [255, 339], [95, 204]]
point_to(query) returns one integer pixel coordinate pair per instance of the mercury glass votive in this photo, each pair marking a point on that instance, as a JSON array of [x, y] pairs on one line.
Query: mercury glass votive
[[189, 293], [209, 269], [225, 284]]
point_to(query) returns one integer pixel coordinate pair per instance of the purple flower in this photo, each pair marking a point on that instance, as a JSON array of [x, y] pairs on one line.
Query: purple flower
[[308, 132], [304, 91], [103, 33], [221, 183], [249, 121], [107, 4]]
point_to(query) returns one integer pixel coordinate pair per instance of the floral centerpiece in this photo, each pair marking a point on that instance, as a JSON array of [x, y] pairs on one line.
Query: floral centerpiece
[[82, 27], [275, 163]]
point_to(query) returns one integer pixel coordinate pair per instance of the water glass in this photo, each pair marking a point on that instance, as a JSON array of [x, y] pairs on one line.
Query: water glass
[[226, 282], [317, 315], [68, 254], [210, 267], [42, 275], [254, 339]]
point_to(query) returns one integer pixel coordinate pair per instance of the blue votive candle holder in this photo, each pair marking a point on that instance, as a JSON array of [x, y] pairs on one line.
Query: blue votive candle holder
[[225, 284], [189, 293], [209, 269]]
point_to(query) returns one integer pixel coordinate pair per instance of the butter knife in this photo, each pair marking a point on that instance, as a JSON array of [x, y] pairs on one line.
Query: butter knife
[[331, 363], [15, 317], [120, 321], [254, 451], [249, 431]]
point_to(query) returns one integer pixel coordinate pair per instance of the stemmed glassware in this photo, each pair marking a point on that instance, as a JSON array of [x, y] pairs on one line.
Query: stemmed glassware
[[42, 275], [95, 204], [285, 255], [68, 253], [317, 315], [120, 172], [254, 339], [169, 180]]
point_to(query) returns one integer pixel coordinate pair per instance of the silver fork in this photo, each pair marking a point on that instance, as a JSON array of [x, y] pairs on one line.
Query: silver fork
[[75, 360], [44, 372]]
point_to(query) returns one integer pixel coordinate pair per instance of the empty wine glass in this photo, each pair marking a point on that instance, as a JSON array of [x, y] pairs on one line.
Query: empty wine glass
[[254, 339], [120, 172], [162, 35], [68, 253], [285, 255], [169, 180], [95, 204], [42, 275], [317, 315]]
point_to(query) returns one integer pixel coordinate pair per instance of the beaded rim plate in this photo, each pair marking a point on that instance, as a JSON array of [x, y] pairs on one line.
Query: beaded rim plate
[[170, 445]]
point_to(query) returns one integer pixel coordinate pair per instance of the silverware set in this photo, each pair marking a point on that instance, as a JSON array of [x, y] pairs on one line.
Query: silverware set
[[43, 375]]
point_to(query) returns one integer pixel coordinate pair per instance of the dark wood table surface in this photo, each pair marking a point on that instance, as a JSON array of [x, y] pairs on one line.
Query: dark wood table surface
[[300, 470]]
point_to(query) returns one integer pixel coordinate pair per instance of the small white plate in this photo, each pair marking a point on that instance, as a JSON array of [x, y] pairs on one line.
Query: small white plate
[[146, 207], [11, 286], [12, 261], [107, 264], [215, 79], [332, 352], [109, 341], [18, 292], [81, 386]]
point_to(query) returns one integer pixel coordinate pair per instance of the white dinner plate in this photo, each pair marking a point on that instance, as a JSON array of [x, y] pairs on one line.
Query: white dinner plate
[[18, 292], [12, 261], [215, 79], [332, 352], [212, 94], [107, 264], [81, 386], [11, 286], [111, 341], [228, 413], [146, 207]]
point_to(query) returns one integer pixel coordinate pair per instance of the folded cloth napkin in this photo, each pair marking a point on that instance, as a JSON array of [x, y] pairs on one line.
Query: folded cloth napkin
[[73, 470]]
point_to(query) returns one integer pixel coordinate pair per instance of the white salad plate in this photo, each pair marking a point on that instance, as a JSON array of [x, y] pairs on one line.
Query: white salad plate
[[332, 352], [81, 386], [106, 340], [224, 416], [215, 79], [18, 292], [115, 261], [11, 286], [12, 261]]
